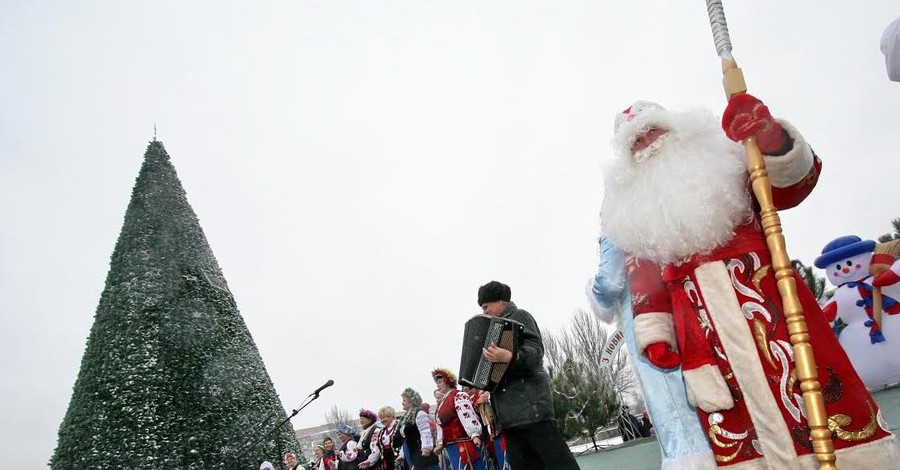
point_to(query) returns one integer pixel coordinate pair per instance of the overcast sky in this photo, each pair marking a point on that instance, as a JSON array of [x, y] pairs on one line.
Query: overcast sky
[[360, 168]]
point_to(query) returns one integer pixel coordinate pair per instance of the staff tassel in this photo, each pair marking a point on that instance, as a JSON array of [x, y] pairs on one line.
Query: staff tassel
[[807, 374]]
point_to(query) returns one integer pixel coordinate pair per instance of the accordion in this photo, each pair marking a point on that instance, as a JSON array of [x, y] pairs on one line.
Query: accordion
[[481, 331]]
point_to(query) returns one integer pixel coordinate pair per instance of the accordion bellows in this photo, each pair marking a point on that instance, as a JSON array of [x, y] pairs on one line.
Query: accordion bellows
[[481, 331]]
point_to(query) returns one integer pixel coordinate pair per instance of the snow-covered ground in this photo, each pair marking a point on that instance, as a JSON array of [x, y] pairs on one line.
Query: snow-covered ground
[[604, 444]]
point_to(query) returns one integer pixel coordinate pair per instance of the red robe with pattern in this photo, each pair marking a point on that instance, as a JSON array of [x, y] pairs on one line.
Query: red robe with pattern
[[725, 318]]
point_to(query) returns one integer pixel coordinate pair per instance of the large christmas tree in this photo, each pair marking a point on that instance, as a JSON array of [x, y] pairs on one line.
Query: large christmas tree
[[170, 378]]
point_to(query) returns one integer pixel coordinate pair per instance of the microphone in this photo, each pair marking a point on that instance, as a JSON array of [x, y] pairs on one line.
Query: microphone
[[323, 387]]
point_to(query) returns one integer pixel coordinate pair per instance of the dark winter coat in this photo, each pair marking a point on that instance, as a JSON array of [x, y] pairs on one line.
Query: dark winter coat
[[523, 394]]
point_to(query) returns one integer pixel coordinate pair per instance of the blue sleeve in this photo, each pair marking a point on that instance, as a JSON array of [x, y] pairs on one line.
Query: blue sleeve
[[609, 282]]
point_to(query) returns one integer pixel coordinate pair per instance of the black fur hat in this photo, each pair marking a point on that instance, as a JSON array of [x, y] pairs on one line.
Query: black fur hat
[[493, 291]]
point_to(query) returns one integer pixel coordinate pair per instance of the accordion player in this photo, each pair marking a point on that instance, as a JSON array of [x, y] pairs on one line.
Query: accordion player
[[480, 332]]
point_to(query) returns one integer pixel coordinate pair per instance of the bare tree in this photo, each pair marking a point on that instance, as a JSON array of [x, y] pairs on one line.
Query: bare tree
[[337, 415], [583, 342]]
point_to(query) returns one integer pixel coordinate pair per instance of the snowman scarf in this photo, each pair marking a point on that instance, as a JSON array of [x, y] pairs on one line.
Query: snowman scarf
[[889, 305]]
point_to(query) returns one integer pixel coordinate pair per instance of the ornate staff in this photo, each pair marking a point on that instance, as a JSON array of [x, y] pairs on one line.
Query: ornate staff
[[816, 416]]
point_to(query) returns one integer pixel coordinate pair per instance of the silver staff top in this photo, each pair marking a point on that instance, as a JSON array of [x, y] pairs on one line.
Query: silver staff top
[[719, 28]]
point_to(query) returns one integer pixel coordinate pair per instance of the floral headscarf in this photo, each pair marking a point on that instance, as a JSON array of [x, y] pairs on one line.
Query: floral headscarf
[[416, 399], [345, 429]]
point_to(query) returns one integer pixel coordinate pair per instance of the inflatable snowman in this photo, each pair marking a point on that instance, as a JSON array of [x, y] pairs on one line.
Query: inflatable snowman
[[873, 347]]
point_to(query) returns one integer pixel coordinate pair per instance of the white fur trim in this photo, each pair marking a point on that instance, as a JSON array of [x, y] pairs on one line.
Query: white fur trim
[[759, 464], [706, 389], [740, 348], [702, 461], [883, 453], [653, 327], [790, 168]]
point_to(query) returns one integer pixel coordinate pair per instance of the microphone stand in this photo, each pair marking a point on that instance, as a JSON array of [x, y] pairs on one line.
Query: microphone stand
[[309, 399]]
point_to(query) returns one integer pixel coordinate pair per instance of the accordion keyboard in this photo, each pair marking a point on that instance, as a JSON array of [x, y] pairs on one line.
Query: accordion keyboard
[[484, 366]]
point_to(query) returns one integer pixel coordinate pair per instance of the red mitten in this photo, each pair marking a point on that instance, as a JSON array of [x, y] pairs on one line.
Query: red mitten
[[661, 356], [747, 116]]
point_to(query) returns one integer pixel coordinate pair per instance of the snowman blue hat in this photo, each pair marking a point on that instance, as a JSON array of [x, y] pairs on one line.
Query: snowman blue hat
[[843, 247]]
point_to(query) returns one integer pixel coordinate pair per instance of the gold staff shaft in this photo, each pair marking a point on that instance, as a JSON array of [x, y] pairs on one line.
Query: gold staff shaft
[[807, 374]]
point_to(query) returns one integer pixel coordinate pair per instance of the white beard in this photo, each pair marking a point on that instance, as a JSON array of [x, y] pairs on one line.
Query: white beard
[[685, 197]]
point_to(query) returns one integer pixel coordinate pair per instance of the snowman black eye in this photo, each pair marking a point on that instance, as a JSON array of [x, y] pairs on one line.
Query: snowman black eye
[[849, 263], [838, 267]]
